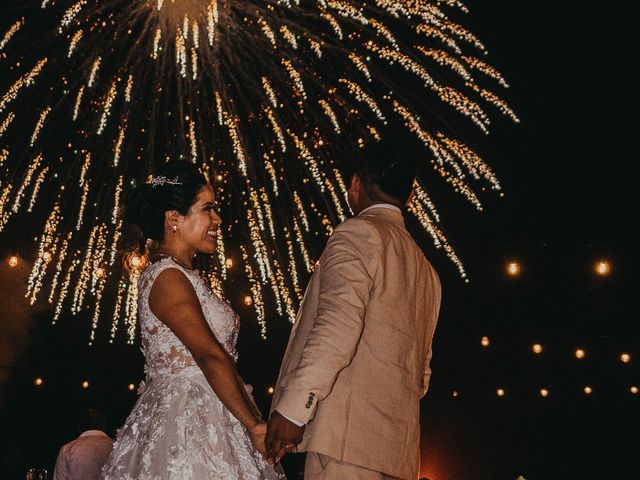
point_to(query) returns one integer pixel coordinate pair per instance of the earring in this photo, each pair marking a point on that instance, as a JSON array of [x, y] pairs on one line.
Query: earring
[[175, 228]]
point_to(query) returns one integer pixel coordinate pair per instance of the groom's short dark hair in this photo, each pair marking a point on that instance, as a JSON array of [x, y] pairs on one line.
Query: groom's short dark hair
[[387, 167], [92, 419]]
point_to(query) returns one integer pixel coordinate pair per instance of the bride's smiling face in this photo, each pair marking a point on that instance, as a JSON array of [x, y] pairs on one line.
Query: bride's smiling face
[[199, 227]]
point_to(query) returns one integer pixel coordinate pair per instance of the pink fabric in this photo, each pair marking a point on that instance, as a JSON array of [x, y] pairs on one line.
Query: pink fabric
[[84, 457]]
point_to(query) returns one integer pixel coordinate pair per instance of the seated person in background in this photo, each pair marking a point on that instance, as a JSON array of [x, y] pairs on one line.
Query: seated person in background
[[84, 457]]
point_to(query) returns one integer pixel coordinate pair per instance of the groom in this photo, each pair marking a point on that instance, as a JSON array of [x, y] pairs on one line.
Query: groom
[[357, 362]]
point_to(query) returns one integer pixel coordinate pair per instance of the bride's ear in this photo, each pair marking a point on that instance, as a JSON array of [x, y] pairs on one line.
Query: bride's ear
[[172, 219]]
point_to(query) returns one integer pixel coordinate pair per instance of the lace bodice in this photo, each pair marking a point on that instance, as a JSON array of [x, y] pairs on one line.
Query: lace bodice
[[179, 428], [164, 353]]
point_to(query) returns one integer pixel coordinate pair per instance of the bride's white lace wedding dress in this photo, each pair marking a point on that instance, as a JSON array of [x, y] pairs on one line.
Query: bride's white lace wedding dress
[[178, 428]]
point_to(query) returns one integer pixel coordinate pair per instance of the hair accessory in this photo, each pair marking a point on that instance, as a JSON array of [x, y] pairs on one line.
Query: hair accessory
[[162, 180]]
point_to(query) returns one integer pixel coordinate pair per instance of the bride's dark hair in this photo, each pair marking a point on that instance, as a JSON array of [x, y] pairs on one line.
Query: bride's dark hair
[[175, 187]]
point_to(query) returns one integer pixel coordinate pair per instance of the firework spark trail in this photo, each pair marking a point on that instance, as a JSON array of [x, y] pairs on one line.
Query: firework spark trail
[[10, 33], [274, 98]]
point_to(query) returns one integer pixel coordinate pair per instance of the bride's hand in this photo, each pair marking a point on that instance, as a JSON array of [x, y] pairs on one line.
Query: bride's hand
[[258, 433]]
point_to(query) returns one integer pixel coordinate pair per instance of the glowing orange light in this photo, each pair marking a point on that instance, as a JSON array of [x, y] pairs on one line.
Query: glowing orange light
[[625, 358], [219, 177], [485, 341], [13, 261], [131, 387], [248, 301], [580, 353], [85, 384], [100, 272], [544, 392], [537, 348], [603, 268], [500, 392], [634, 390], [455, 393], [228, 263], [38, 381], [588, 390], [270, 390], [513, 268], [134, 262]]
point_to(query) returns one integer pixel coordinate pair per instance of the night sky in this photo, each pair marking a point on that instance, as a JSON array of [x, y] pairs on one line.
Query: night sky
[[570, 175]]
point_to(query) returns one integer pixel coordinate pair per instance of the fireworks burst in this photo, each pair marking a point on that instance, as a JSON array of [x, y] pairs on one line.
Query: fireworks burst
[[270, 98]]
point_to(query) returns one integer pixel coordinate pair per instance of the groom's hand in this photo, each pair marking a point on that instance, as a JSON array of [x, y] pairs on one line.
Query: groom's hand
[[282, 436]]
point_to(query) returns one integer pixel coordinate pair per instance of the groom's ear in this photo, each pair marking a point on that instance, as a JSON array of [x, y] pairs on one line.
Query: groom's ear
[[356, 183]]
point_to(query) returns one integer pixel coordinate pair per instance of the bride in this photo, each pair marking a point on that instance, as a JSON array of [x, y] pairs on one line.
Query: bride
[[195, 418]]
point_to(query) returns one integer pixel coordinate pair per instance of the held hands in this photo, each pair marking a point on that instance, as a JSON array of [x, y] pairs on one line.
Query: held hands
[[258, 433], [282, 436]]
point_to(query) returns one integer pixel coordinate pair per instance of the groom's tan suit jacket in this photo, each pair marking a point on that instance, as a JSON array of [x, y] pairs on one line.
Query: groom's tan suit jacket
[[357, 362]]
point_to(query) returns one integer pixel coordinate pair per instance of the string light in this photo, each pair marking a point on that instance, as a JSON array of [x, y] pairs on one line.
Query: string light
[[85, 384], [38, 382], [485, 341], [544, 392], [13, 261], [588, 390], [270, 390], [634, 390], [537, 348], [500, 392], [513, 269], [454, 394], [603, 268], [131, 387], [247, 300], [625, 358], [580, 353]]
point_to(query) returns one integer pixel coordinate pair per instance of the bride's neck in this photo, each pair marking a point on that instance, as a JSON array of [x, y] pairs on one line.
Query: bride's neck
[[181, 255]]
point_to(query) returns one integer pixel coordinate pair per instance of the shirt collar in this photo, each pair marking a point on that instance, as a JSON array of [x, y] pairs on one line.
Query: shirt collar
[[381, 205], [93, 433]]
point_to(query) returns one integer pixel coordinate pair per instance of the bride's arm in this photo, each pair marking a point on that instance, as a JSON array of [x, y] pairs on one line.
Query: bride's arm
[[174, 301]]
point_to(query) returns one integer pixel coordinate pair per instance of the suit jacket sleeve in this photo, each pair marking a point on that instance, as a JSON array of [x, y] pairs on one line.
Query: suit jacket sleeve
[[427, 373], [346, 280], [435, 294]]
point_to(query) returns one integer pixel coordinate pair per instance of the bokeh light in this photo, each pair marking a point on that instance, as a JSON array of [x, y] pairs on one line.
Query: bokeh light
[[544, 392], [485, 341], [603, 268], [580, 353], [13, 261], [513, 269], [537, 348], [625, 358]]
